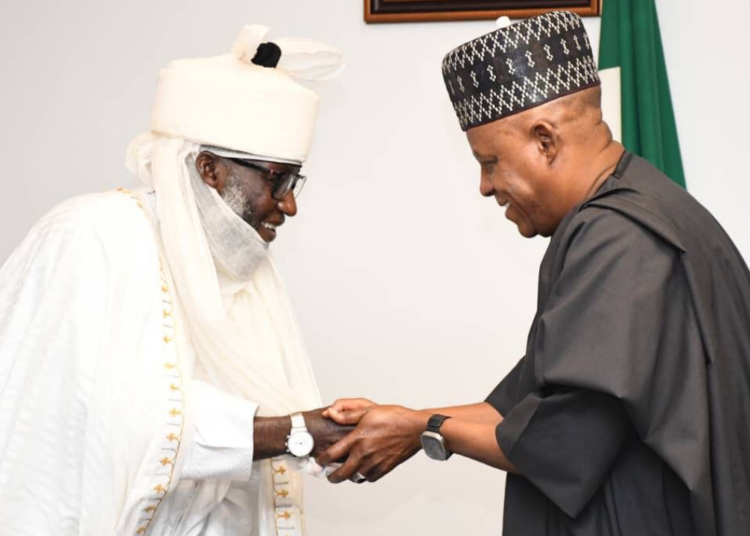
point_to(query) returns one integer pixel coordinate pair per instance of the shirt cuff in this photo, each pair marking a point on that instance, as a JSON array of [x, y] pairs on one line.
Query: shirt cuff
[[223, 442]]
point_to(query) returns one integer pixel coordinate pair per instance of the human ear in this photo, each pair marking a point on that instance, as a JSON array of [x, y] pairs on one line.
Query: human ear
[[206, 164], [546, 139]]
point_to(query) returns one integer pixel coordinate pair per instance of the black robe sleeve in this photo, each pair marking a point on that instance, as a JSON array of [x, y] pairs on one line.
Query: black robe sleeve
[[595, 349], [565, 443], [503, 396]]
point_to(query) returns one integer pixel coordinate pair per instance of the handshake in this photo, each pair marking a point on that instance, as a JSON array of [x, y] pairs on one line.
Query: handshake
[[369, 440]]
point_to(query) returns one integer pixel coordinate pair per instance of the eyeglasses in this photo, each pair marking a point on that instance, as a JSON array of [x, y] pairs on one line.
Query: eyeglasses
[[282, 182]]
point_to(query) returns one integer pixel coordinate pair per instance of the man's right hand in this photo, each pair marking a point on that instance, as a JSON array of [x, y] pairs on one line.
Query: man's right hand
[[385, 437]]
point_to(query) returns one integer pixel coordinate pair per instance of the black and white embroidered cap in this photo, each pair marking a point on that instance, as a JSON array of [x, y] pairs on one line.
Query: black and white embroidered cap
[[519, 67]]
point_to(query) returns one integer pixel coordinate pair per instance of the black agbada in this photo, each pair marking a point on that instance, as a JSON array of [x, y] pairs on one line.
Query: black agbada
[[630, 413]]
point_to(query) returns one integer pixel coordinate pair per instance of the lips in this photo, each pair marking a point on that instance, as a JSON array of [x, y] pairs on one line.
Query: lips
[[269, 230]]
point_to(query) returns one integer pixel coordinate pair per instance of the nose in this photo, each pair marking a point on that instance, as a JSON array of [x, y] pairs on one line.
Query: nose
[[485, 185], [288, 204]]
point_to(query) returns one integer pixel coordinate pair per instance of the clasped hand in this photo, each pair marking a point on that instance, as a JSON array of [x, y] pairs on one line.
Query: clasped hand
[[384, 437]]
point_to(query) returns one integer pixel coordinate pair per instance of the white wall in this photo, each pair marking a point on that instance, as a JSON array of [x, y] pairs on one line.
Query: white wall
[[706, 51], [410, 287]]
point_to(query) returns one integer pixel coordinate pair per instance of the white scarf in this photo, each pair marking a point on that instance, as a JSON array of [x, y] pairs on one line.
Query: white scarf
[[237, 249], [244, 333], [270, 365]]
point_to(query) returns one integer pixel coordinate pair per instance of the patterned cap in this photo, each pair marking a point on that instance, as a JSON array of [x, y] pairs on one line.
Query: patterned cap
[[519, 67]]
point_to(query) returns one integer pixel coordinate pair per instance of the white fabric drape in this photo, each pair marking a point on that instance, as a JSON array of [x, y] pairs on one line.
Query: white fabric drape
[[83, 415], [268, 365], [244, 334], [303, 59], [94, 393]]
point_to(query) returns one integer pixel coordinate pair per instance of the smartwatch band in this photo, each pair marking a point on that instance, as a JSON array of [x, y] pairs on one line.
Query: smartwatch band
[[435, 422]]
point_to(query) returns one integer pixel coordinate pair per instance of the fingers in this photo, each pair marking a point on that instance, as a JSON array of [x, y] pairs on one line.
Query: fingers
[[338, 451], [347, 469], [348, 404], [379, 470], [362, 462], [346, 418], [379, 466], [372, 468], [366, 468]]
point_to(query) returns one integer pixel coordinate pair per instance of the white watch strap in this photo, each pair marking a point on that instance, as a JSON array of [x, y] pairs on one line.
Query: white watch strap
[[298, 422]]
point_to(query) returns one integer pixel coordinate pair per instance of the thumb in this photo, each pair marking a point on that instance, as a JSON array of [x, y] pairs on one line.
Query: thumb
[[348, 404], [345, 418]]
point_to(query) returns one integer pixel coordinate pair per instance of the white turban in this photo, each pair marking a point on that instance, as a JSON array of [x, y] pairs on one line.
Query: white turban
[[229, 101]]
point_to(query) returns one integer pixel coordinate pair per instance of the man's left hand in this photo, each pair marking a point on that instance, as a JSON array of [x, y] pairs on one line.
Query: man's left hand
[[385, 437]]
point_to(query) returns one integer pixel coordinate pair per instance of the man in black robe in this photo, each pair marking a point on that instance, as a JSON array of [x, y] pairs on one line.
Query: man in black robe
[[630, 413]]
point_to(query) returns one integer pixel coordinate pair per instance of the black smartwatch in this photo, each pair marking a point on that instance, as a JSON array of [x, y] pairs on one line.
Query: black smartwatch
[[433, 442]]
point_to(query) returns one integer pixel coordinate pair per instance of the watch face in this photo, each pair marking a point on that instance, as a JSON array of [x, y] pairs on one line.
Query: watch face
[[301, 444], [433, 446]]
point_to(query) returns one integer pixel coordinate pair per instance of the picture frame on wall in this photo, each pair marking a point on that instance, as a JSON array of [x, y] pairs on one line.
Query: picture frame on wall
[[452, 10]]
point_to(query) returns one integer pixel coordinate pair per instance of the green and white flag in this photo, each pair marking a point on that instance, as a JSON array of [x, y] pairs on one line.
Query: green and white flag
[[631, 60]]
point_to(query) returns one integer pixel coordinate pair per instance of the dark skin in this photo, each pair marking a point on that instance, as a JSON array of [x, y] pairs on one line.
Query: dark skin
[[270, 432], [543, 162], [215, 171], [540, 163], [388, 435]]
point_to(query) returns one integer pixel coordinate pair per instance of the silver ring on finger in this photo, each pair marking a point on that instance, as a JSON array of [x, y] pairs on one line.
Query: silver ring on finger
[[358, 478]]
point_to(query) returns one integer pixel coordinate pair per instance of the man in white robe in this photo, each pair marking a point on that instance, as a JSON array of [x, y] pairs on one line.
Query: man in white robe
[[149, 356]]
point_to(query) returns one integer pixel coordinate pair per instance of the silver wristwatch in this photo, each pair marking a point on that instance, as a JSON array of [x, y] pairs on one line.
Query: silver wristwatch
[[300, 442], [433, 441]]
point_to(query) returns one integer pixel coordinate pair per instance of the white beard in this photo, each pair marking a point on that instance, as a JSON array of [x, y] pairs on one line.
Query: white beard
[[235, 198], [236, 247]]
